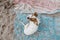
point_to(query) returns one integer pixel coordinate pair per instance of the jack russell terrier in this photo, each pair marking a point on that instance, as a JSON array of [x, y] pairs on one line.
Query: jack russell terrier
[[32, 26]]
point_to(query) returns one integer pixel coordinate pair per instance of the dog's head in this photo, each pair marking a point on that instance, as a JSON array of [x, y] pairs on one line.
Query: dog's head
[[33, 18]]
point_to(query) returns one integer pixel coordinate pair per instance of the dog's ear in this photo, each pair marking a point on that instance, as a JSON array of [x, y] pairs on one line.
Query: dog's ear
[[35, 14]]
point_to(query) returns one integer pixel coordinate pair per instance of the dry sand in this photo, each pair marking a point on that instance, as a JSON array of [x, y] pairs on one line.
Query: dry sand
[[6, 20]]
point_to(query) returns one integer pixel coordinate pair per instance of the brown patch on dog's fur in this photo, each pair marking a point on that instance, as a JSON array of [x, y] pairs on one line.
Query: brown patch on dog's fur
[[35, 14], [34, 20]]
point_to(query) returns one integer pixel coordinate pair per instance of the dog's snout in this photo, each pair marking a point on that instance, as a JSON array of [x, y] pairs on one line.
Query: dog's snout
[[27, 17]]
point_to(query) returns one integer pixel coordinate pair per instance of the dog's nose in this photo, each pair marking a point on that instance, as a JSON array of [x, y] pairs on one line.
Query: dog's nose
[[27, 17]]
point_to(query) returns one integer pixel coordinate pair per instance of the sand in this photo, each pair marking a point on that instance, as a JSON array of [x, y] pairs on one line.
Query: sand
[[6, 20]]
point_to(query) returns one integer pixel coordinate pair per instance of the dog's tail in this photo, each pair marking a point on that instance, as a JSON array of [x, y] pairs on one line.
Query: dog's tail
[[22, 23]]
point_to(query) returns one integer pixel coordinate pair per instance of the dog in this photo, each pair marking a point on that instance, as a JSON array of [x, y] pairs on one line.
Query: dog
[[32, 26]]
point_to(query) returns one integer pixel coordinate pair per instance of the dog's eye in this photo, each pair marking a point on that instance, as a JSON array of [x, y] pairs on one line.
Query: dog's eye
[[27, 17]]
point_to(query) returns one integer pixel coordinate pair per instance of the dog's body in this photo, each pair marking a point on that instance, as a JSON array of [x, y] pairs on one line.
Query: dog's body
[[32, 26]]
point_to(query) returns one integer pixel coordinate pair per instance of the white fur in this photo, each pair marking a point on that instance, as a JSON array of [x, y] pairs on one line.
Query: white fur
[[31, 27]]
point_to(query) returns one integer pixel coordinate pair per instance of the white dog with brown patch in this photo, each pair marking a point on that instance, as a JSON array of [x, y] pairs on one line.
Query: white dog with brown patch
[[32, 26]]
